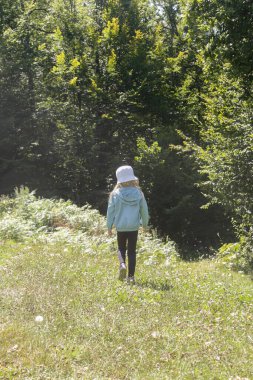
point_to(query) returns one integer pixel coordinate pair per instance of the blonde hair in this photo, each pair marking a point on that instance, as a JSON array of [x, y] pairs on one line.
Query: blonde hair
[[134, 183]]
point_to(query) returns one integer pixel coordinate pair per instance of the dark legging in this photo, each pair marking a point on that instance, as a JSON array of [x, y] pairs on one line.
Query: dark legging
[[127, 241]]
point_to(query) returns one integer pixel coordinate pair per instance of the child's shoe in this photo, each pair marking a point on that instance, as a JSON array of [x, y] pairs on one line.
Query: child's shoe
[[131, 280], [122, 272]]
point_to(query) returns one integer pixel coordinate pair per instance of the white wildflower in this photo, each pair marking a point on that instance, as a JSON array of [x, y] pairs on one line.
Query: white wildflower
[[39, 318]]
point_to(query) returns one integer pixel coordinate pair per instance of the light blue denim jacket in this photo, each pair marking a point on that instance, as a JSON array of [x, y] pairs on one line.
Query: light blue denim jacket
[[127, 209]]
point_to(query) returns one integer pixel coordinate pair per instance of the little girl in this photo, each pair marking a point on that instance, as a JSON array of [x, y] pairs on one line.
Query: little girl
[[127, 210]]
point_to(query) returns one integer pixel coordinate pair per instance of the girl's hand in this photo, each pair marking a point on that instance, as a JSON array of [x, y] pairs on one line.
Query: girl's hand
[[110, 232]]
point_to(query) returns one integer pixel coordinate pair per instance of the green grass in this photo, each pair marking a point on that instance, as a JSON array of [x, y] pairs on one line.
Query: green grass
[[180, 321]]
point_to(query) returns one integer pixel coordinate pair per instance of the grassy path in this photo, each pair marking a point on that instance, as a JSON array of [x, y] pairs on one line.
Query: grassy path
[[180, 321]]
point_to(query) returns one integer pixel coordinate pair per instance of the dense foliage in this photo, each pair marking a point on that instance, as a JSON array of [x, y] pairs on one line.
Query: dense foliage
[[25, 218], [86, 86]]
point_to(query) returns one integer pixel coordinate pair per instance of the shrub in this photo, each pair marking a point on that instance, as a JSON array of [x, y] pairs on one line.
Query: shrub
[[239, 255], [14, 228]]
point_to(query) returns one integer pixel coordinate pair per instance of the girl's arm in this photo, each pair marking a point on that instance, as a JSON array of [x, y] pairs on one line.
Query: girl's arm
[[110, 214], [144, 212]]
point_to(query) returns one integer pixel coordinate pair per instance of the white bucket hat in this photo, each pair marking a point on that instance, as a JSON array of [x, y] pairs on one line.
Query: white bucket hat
[[125, 174]]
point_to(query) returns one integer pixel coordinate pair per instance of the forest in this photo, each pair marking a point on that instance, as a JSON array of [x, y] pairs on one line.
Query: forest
[[164, 86]]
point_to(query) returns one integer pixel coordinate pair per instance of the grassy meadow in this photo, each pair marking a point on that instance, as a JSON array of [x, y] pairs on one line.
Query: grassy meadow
[[64, 314]]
